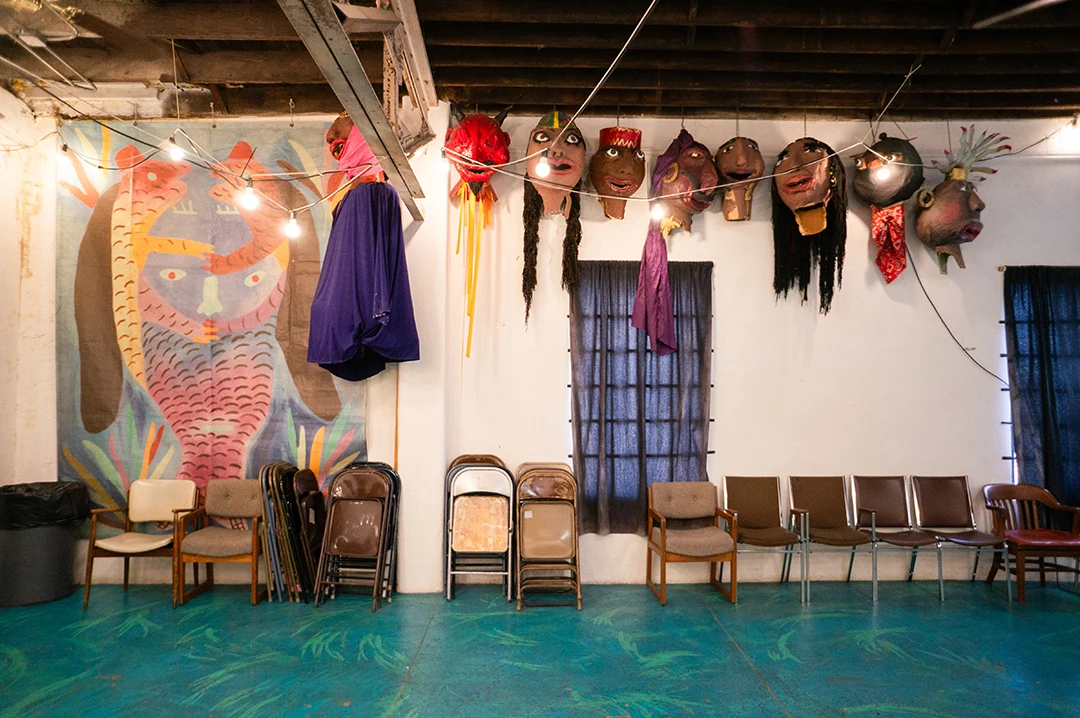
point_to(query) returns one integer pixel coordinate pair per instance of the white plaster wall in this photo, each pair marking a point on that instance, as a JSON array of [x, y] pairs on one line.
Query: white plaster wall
[[875, 387], [27, 296]]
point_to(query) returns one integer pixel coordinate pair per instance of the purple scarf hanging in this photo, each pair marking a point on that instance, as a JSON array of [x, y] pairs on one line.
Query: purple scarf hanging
[[653, 310]]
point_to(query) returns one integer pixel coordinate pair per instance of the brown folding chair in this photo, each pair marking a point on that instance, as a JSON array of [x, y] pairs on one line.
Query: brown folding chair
[[825, 499], [943, 507], [881, 502], [546, 533], [1018, 511], [228, 499], [684, 501], [755, 501], [355, 547]]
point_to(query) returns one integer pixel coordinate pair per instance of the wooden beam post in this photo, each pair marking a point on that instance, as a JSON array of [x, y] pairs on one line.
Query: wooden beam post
[[317, 24]]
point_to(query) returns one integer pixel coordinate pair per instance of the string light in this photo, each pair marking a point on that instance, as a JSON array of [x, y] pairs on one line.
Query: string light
[[292, 227], [248, 199], [176, 152], [657, 211], [543, 169], [62, 155], [883, 172], [444, 163]]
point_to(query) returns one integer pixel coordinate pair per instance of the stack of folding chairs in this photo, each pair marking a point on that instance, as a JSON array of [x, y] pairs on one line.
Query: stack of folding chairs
[[291, 532], [359, 543], [479, 520], [547, 536]]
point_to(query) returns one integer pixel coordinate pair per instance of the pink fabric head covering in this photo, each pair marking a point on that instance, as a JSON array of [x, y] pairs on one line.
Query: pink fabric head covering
[[357, 155]]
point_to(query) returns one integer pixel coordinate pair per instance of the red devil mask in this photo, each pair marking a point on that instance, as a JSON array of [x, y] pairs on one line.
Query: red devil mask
[[475, 142]]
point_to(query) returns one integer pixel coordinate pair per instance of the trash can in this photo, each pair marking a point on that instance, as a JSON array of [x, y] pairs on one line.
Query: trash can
[[39, 524]]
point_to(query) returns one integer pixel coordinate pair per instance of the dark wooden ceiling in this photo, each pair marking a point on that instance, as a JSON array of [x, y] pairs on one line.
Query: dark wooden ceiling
[[769, 58], [759, 58]]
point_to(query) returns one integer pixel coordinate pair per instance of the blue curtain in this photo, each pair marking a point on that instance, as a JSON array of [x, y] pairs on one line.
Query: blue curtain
[[1042, 321], [638, 417]]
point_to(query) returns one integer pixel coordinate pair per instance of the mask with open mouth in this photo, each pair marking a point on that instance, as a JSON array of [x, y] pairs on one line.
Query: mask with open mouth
[[809, 220], [950, 214], [475, 143], [686, 178], [563, 150], [740, 165], [617, 169]]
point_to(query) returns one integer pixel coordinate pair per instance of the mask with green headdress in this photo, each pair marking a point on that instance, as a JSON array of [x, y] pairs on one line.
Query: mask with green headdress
[[949, 215]]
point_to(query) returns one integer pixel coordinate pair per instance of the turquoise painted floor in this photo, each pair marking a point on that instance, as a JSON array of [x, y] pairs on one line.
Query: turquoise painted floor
[[133, 655]]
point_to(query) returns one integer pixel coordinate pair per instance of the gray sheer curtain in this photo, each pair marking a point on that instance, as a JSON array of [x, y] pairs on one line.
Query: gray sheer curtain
[[638, 418]]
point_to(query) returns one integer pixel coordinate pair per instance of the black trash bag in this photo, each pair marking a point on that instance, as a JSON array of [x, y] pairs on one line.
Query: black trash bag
[[43, 503]]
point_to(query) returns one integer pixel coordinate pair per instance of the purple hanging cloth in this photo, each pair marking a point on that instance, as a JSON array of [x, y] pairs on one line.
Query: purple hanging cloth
[[653, 310], [362, 314], [652, 303]]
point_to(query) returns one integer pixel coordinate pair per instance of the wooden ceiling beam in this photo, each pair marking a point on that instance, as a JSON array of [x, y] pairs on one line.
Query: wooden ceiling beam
[[223, 67], [670, 40], [850, 14], [317, 24], [751, 113], [817, 63], [262, 21], [1063, 101], [748, 82]]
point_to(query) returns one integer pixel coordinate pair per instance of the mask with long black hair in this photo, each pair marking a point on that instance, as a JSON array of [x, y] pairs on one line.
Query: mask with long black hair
[[809, 220], [563, 149]]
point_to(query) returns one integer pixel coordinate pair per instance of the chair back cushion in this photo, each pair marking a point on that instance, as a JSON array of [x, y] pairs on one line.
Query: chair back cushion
[[755, 498], [355, 528], [481, 524], [155, 499], [886, 497], [548, 530], [942, 501], [823, 497], [233, 499], [683, 499]]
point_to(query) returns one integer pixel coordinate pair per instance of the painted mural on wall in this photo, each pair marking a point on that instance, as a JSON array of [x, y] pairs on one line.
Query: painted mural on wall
[[183, 317]]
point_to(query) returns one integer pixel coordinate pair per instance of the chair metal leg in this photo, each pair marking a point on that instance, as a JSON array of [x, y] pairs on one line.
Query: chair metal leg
[[873, 560], [851, 563], [940, 574], [127, 570], [975, 570], [89, 573], [785, 566], [911, 568]]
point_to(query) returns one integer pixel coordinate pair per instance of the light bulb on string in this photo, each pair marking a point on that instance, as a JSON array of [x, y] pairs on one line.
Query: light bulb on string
[[543, 169], [883, 173], [176, 152], [444, 162], [657, 211], [62, 154], [248, 199], [292, 227]]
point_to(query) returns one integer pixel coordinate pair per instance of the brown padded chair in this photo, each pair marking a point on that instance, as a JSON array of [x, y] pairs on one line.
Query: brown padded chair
[[943, 507], [683, 501], [755, 501], [825, 499], [149, 500], [477, 459], [225, 499], [1017, 510], [881, 503]]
